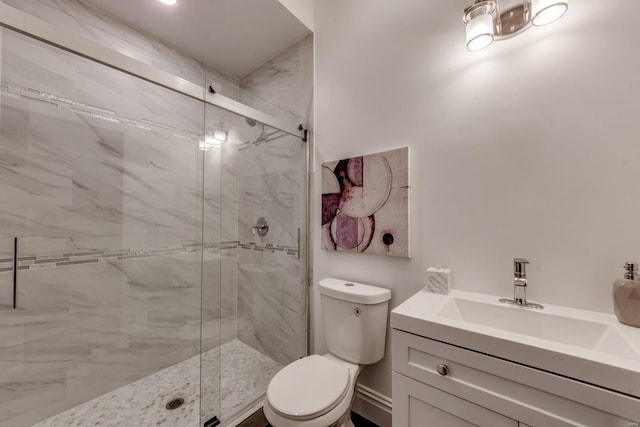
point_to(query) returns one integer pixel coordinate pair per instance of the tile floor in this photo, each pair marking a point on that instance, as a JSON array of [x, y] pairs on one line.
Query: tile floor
[[258, 419], [245, 374]]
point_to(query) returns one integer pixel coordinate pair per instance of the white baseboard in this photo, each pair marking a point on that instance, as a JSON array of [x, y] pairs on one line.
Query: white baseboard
[[372, 405]]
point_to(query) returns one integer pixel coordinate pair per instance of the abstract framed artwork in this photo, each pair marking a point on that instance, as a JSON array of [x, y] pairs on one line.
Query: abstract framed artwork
[[365, 204]]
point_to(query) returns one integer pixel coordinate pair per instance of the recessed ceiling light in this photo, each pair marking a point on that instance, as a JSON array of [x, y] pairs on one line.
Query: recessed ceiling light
[[169, 2]]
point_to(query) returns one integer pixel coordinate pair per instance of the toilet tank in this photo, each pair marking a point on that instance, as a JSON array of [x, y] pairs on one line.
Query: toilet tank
[[354, 318]]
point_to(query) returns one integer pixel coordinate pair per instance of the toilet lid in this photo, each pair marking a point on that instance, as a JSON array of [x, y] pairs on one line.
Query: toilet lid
[[308, 387]]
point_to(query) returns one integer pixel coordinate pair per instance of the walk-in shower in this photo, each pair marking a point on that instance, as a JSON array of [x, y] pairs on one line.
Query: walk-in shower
[[142, 294]]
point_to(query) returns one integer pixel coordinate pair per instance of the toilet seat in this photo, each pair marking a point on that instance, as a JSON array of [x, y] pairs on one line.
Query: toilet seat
[[308, 388]]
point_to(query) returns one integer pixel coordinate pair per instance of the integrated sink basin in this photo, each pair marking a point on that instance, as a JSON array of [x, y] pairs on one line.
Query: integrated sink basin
[[563, 329], [588, 346]]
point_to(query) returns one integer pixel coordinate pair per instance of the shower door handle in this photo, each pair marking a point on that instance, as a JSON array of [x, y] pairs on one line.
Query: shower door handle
[[15, 271]]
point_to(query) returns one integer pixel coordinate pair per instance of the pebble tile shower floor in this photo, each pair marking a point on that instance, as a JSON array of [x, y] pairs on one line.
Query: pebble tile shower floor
[[245, 374]]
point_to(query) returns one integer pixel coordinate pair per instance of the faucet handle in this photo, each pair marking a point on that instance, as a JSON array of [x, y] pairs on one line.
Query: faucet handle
[[520, 267]]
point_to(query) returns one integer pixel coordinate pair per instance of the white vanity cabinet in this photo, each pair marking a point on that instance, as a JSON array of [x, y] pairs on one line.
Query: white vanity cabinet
[[436, 384], [417, 404]]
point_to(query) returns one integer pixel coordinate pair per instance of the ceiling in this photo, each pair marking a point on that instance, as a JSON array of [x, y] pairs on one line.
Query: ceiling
[[234, 36]]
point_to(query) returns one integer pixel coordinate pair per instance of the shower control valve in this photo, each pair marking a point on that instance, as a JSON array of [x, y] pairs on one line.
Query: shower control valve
[[262, 227]]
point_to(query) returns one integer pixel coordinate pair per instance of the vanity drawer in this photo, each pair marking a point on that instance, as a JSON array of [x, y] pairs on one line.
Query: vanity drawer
[[418, 405], [529, 395]]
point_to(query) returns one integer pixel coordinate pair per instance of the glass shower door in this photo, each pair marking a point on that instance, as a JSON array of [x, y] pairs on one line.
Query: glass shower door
[[272, 269], [215, 311], [101, 179], [261, 246]]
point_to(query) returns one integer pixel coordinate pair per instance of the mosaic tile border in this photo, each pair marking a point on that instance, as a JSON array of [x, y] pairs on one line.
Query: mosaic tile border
[[289, 250], [33, 262]]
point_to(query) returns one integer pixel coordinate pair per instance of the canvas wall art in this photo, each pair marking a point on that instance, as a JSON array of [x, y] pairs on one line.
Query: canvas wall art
[[365, 204]]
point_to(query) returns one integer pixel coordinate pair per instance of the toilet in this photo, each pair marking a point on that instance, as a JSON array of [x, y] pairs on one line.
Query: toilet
[[318, 391]]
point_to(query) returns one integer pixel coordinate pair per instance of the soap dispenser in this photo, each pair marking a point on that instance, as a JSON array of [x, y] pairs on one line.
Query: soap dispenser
[[626, 296]]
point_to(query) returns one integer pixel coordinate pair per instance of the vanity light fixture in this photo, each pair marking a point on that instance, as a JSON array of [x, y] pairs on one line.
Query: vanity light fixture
[[489, 20], [546, 11], [479, 22], [168, 2]]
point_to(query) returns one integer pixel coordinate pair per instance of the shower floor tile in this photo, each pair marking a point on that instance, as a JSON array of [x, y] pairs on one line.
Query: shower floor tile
[[243, 379]]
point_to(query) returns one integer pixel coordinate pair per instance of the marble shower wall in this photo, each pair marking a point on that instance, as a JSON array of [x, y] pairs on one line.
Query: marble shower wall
[[271, 303], [93, 24], [272, 183], [105, 193], [97, 26], [283, 83]]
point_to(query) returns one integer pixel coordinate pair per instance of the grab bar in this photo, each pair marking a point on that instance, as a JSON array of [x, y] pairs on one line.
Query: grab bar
[[15, 272]]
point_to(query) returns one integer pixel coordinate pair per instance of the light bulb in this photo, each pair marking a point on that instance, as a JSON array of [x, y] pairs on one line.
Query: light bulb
[[546, 11], [479, 32], [168, 2]]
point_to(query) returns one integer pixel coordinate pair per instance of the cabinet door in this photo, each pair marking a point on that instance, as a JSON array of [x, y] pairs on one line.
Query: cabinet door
[[419, 405]]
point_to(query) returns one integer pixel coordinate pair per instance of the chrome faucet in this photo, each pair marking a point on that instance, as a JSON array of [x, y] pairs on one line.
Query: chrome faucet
[[520, 285]]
